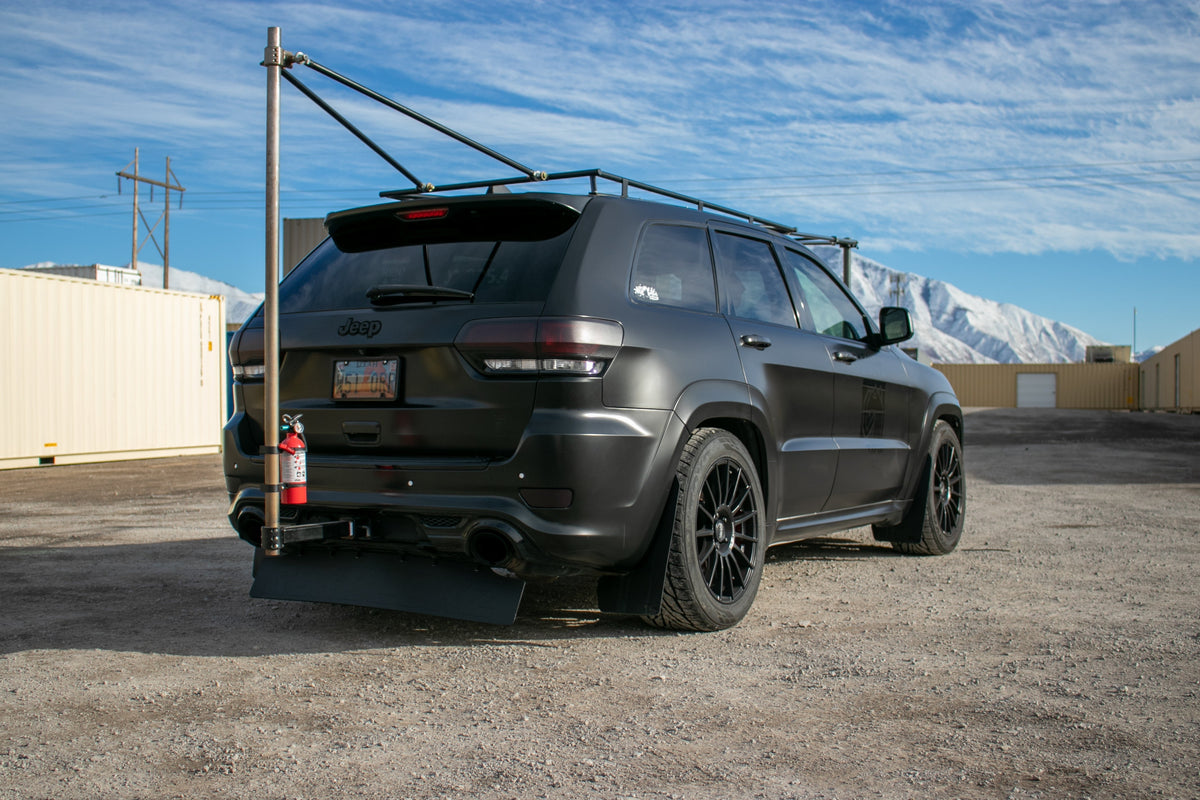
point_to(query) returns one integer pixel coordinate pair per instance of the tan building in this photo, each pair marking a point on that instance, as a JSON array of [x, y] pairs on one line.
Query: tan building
[[1113, 386], [299, 237], [1170, 381]]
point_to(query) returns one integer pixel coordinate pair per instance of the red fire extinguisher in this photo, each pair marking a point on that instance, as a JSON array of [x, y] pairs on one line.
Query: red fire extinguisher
[[293, 465]]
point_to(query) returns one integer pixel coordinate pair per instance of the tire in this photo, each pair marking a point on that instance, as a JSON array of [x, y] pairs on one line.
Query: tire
[[718, 536], [945, 499]]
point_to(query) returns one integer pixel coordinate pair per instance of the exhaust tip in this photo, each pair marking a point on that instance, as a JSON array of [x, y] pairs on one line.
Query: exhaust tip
[[495, 544], [490, 547], [250, 521]]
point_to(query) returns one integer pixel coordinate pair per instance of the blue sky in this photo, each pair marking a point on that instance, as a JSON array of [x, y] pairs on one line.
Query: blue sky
[[1045, 155]]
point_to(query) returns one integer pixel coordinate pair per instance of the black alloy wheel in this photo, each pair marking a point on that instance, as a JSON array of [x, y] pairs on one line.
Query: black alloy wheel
[[945, 506], [718, 536], [948, 488]]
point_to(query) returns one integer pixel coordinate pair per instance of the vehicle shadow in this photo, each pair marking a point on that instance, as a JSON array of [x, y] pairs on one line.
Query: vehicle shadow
[[192, 598]]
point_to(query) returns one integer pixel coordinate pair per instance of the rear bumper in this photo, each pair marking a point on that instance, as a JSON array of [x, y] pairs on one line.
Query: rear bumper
[[616, 464]]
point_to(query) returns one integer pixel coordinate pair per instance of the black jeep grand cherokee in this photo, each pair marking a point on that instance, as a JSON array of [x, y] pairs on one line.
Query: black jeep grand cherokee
[[506, 386]]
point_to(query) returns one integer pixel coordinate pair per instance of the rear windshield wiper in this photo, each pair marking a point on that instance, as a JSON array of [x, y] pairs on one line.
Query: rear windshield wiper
[[394, 294]]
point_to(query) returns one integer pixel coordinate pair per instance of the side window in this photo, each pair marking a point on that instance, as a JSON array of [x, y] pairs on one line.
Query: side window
[[832, 311], [751, 285], [673, 268]]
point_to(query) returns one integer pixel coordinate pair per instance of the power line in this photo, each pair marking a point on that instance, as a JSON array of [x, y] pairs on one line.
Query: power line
[[955, 180], [958, 170], [977, 186]]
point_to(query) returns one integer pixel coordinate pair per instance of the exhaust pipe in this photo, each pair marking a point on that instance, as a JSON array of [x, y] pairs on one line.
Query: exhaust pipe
[[496, 544], [250, 522]]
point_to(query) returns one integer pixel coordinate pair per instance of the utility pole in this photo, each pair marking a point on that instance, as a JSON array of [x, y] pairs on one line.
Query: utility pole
[[275, 58], [165, 250], [899, 285]]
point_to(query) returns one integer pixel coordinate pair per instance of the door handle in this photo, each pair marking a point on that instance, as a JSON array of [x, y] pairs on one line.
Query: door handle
[[844, 357], [756, 341]]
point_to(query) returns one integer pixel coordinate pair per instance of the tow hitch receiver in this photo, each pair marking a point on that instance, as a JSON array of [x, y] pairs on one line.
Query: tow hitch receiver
[[443, 588], [275, 538]]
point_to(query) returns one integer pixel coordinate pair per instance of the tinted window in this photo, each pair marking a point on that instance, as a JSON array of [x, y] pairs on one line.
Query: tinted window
[[751, 285], [495, 271], [673, 268], [823, 301]]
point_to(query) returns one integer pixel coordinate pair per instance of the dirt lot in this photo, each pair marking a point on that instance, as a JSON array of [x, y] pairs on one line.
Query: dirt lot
[[1053, 655]]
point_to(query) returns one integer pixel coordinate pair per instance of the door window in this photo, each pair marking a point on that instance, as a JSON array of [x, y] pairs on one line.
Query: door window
[[823, 301], [751, 284]]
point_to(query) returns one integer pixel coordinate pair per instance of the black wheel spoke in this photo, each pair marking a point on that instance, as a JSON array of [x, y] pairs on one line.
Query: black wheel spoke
[[734, 484], [741, 559], [741, 501], [741, 521], [737, 576]]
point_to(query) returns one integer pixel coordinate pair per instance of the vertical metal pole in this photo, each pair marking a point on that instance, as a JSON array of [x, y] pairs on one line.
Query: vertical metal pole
[[273, 61], [167, 229], [133, 258], [846, 265]]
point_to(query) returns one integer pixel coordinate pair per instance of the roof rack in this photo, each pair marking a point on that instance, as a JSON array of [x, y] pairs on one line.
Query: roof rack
[[626, 184], [528, 175]]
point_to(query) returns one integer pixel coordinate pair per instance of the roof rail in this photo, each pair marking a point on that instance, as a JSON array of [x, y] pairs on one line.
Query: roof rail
[[626, 184], [528, 175]]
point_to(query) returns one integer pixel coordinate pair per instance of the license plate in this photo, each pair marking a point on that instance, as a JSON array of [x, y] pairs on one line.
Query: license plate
[[368, 379]]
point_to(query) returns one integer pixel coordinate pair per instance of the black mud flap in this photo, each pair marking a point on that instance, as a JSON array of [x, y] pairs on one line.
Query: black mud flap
[[640, 591], [443, 588]]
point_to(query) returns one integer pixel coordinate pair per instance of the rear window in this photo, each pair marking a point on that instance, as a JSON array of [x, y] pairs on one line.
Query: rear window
[[382, 251]]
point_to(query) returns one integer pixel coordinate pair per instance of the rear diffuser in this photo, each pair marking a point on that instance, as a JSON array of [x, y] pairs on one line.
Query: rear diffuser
[[453, 589]]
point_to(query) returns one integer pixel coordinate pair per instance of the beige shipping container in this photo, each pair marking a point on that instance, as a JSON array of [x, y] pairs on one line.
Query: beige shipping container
[[96, 371], [1100, 386]]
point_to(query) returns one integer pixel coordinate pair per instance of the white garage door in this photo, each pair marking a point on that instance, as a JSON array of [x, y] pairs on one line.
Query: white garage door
[[1037, 390]]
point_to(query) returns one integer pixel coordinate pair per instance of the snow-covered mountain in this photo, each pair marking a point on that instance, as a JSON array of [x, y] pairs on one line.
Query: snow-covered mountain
[[239, 305], [952, 326], [959, 328]]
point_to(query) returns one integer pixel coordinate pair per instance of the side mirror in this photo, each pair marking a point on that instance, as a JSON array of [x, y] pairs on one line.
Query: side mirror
[[895, 325]]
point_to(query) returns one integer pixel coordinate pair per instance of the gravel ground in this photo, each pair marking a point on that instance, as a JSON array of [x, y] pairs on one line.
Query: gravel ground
[[1053, 655]]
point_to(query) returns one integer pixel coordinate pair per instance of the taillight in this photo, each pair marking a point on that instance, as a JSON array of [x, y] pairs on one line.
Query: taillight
[[249, 372], [549, 346]]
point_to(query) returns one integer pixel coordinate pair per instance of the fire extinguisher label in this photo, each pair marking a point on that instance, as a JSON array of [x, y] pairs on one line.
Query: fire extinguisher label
[[294, 468]]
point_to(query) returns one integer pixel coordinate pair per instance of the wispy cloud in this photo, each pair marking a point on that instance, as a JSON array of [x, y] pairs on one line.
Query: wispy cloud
[[898, 102]]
